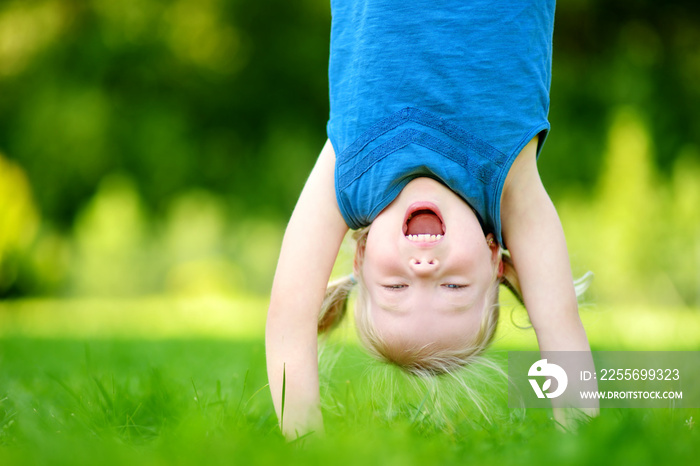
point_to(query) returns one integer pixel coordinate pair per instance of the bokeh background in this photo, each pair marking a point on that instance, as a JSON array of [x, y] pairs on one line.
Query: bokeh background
[[157, 147]]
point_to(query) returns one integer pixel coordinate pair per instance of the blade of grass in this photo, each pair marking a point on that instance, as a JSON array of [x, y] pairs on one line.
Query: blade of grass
[[298, 440], [240, 400], [196, 394], [103, 391], [284, 390], [420, 408]]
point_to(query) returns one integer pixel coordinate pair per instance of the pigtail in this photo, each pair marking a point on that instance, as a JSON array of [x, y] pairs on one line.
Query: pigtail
[[582, 284], [335, 303]]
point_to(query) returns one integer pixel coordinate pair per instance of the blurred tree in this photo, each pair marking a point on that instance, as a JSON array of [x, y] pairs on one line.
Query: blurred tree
[[18, 221], [232, 95], [177, 93], [616, 53], [229, 98]]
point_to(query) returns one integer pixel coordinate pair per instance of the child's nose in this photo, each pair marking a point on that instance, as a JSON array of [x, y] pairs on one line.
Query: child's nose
[[424, 265]]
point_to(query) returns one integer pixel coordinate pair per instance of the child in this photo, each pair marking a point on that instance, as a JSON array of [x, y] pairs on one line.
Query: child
[[438, 114]]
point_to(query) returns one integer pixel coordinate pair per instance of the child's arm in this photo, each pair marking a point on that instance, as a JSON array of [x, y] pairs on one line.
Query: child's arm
[[309, 249], [535, 238]]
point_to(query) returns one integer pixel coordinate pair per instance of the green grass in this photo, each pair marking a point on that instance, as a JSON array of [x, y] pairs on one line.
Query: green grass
[[195, 400], [192, 401]]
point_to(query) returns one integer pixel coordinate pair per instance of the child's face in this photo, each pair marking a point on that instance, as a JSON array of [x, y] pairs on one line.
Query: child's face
[[427, 290]]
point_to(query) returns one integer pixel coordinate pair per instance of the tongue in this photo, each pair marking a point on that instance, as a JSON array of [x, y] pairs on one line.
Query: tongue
[[424, 223]]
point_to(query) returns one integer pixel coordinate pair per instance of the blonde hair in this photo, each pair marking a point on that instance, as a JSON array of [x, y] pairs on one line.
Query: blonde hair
[[423, 360]]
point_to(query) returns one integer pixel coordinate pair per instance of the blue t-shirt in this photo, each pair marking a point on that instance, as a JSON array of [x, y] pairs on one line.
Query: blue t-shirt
[[450, 89]]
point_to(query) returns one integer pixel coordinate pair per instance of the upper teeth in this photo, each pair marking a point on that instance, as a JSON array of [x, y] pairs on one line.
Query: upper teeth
[[424, 238]]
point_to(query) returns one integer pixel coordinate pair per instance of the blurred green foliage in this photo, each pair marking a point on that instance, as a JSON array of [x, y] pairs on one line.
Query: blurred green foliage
[[177, 93], [18, 219], [158, 146], [640, 234]]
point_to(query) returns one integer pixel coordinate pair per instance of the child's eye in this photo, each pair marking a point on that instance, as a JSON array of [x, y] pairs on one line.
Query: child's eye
[[454, 286], [394, 287]]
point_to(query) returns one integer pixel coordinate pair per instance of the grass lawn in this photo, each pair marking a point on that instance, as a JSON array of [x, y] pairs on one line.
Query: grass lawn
[[190, 388]]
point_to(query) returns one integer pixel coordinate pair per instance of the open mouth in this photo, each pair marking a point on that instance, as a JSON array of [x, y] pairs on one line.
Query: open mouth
[[423, 223]]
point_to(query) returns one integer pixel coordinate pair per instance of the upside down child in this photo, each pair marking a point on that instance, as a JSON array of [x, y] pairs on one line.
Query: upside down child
[[438, 114]]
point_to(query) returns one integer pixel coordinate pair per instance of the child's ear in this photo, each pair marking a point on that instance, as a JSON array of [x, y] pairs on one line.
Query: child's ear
[[495, 253]]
